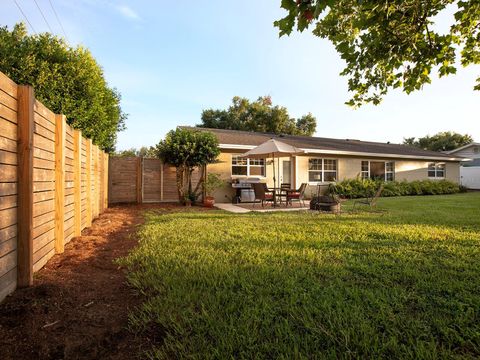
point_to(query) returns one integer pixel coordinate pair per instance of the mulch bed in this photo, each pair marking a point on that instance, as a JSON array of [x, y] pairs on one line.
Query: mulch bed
[[78, 307]]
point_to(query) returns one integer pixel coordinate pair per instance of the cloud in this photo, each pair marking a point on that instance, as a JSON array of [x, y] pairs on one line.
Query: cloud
[[128, 12]]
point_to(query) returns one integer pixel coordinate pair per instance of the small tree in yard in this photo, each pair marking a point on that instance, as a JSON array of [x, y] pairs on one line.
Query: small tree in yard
[[188, 150]]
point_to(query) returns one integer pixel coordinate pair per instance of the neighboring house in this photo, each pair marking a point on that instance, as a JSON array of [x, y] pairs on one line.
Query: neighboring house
[[326, 160], [470, 170]]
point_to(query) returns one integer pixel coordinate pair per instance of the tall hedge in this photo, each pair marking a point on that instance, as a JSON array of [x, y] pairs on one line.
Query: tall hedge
[[67, 80]]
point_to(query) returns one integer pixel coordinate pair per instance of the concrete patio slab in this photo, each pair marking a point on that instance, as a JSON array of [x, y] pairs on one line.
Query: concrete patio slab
[[232, 208], [245, 208]]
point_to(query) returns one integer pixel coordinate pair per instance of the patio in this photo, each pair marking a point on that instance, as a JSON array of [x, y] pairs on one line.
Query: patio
[[257, 207]]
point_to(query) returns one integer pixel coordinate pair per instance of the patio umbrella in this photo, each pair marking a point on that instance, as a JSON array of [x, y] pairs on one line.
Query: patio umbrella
[[272, 148]]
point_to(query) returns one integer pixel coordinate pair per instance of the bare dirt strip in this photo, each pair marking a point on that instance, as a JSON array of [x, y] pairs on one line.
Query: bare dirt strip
[[78, 307]]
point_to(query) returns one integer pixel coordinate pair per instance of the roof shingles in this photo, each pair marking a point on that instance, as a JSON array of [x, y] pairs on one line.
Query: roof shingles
[[235, 137]]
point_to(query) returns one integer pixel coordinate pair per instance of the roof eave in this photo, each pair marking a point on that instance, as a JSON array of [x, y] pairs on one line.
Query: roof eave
[[462, 148], [352, 153]]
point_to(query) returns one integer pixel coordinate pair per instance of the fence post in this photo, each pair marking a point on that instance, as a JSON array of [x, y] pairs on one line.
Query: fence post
[[77, 181], [95, 182], [139, 180], [161, 181], [59, 183], [105, 180], [26, 100], [88, 166]]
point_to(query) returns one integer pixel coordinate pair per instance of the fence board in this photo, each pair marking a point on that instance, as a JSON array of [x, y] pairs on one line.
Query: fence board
[[8, 144], [8, 202], [8, 233], [8, 100], [9, 129], [8, 158]]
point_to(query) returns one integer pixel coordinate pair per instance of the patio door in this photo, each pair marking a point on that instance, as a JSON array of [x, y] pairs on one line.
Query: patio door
[[286, 176]]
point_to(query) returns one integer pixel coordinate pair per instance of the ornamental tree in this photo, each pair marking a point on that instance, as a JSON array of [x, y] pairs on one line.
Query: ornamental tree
[[389, 44], [188, 150]]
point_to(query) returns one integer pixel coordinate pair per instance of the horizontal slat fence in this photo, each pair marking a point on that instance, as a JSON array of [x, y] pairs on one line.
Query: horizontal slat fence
[[52, 184], [142, 180]]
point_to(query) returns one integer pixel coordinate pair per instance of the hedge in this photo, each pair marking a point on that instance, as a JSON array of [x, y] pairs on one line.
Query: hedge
[[358, 188]]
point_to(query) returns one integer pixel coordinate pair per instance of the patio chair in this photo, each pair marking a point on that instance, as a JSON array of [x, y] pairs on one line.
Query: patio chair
[[283, 191], [297, 195], [370, 201], [262, 193]]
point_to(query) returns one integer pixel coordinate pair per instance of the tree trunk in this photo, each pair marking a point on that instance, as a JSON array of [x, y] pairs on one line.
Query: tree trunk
[[180, 175], [199, 187]]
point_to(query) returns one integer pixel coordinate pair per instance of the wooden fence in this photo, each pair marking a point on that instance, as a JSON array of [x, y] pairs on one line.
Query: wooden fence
[[53, 182], [142, 180]]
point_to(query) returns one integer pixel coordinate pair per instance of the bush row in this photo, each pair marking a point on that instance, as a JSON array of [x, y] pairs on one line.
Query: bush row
[[358, 188]]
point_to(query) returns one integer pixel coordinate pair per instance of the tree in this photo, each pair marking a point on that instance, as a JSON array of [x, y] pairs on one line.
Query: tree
[[144, 151], [260, 116], [443, 141], [188, 150], [67, 80], [132, 152], [389, 44]]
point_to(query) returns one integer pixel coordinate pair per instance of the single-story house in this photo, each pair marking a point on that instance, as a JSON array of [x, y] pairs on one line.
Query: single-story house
[[470, 170], [325, 160]]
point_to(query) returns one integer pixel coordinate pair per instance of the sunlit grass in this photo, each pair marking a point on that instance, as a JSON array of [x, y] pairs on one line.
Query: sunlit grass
[[403, 282]]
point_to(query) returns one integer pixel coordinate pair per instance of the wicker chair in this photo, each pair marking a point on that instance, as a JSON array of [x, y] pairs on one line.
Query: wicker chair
[[262, 193]]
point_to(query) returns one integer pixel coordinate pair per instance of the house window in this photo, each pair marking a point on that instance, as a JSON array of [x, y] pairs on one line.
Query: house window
[[383, 170], [329, 170], [476, 150], [320, 170], [436, 170], [390, 171], [365, 172], [248, 167]]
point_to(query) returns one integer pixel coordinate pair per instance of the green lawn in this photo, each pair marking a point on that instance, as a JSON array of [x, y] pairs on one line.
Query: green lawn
[[401, 283]]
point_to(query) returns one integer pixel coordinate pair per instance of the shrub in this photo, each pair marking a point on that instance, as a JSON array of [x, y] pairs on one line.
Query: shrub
[[358, 188]]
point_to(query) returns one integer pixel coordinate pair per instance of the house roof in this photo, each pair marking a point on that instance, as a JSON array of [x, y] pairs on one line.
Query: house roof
[[462, 148], [245, 140]]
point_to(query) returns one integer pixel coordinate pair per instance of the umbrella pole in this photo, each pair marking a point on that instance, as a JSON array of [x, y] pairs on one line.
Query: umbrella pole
[[274, 184]]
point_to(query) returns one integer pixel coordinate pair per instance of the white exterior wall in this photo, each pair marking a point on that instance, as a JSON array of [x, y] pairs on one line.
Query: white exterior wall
[[470, 177]]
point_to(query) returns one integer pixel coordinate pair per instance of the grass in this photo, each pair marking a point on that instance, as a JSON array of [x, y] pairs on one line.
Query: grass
[[401, 283]]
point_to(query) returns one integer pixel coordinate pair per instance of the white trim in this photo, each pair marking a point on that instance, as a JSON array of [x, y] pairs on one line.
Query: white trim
[[353, 153], [462, 147]]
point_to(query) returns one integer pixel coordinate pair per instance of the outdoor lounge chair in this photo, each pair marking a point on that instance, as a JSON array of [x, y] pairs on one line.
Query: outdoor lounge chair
[[262, 193], [297, 195], [370, 201]]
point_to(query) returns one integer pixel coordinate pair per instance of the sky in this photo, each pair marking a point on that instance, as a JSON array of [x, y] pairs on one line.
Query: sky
[[172, 59]]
